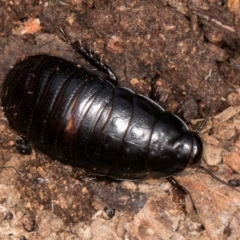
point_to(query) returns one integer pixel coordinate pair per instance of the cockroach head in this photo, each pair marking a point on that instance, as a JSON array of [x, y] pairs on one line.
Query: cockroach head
[[197, 150]]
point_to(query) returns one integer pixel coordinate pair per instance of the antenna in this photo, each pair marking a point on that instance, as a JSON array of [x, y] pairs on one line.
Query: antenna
[[207, 117], [200, 166], [216, 178]]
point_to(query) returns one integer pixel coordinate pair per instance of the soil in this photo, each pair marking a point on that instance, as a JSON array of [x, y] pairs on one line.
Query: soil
[[178, 50]]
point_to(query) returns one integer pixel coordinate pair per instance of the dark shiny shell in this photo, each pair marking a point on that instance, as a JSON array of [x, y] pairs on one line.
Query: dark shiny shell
[[80, 119]]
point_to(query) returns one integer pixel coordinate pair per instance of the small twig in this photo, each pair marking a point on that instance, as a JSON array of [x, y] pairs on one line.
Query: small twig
[[19, 173], [226, 27]]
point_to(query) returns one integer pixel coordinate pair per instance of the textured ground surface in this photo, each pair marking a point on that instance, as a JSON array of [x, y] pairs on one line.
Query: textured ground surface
[[182, 48]]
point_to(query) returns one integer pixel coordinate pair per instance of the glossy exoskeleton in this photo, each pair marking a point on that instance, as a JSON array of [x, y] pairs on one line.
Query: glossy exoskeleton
[[80, 119]]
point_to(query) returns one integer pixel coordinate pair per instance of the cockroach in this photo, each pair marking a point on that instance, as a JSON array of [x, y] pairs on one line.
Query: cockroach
[[81, 119]]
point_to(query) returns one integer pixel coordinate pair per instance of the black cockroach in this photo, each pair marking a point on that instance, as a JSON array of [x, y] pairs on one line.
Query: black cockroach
[[80, 119]]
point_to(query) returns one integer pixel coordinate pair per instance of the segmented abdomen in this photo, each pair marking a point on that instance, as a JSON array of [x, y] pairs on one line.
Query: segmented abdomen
[[76, 117]]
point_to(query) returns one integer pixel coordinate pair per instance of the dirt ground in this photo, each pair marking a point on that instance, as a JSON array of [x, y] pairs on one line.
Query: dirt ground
[[185, 50]]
